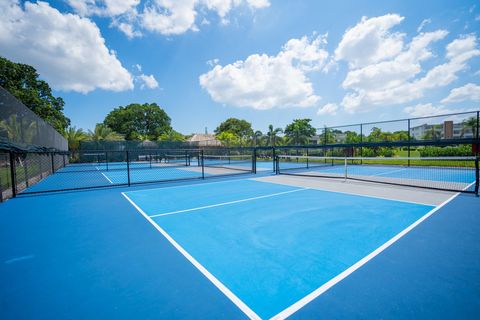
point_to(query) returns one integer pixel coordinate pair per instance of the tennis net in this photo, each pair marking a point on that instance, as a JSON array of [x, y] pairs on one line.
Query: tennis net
[[459, 174], [231, 162]]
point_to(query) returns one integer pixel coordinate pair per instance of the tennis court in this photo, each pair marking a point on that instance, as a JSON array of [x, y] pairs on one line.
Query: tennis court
[[256, 246]]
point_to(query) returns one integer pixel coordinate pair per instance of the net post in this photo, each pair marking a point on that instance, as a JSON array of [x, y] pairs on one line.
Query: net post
[[12, 174], [128, 168], [64, 161], [150, 159], [345, 178], [203, 163]]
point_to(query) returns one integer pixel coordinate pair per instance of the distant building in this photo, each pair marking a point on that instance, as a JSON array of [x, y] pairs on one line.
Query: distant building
[[447, 130], [204, 140]]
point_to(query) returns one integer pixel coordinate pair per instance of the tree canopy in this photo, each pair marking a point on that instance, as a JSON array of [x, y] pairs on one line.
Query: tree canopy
[[299, 131], [139, 121], [22, 81], [241, 128]]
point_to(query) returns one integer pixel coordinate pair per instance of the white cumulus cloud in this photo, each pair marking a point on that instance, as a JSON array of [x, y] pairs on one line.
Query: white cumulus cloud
[[423, 24], [67, 50], [265, 82], [426, 109], [329, 108], [370, 41], [147, 81], [468, 92], [396, 75], [167, 17]]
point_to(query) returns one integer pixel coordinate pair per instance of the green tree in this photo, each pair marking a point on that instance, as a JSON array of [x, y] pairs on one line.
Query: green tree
[[22, 81], [74, 136], [172, 135], [470, 123], [272, 135], [299, 131], [241, 128], [229, 139], [139, 121], [102, 132]]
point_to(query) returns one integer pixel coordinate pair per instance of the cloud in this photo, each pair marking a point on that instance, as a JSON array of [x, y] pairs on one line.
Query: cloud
[[423, 24], [147, 81], [167, 17], [370, 41], [265, 82], [393, 76], [469, 92], [108, 8], [329, 108], [427, 109], [67, 50], [213, 62]]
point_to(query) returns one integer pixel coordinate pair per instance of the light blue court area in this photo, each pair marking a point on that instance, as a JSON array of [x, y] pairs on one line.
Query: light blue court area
[[270, 245]]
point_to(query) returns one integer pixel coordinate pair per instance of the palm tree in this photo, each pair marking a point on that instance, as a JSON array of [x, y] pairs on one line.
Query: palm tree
[[74, 136], [434, 133], [257, 138], [272, 135], [102, 132], [470, 123]]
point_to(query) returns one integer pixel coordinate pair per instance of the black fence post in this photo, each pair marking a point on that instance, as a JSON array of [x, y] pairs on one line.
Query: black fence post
[[106, 160], [477, 134], [477, 176], [273, 158], [277, 164], [361, 143], [12, 174], [128, 168], [254, 160], [203, 163], [25, 170], [409, 142], [52, 158], [307, 157]]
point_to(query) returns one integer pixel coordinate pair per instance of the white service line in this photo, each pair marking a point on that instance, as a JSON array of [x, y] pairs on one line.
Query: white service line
[[227, 203], [103, 174], [239, 303], [388, 172], [310, 297]]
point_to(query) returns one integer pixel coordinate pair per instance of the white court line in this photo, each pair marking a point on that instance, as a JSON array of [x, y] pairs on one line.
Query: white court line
[[239, 303], [388, 172], [103, 174], [310, 297], [227, 203]]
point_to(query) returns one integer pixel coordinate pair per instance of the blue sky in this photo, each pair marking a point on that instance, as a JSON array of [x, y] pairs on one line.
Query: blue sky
[[266, 61]]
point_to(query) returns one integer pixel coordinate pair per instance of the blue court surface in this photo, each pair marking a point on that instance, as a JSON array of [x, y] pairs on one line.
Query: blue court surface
[[237, 248]]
